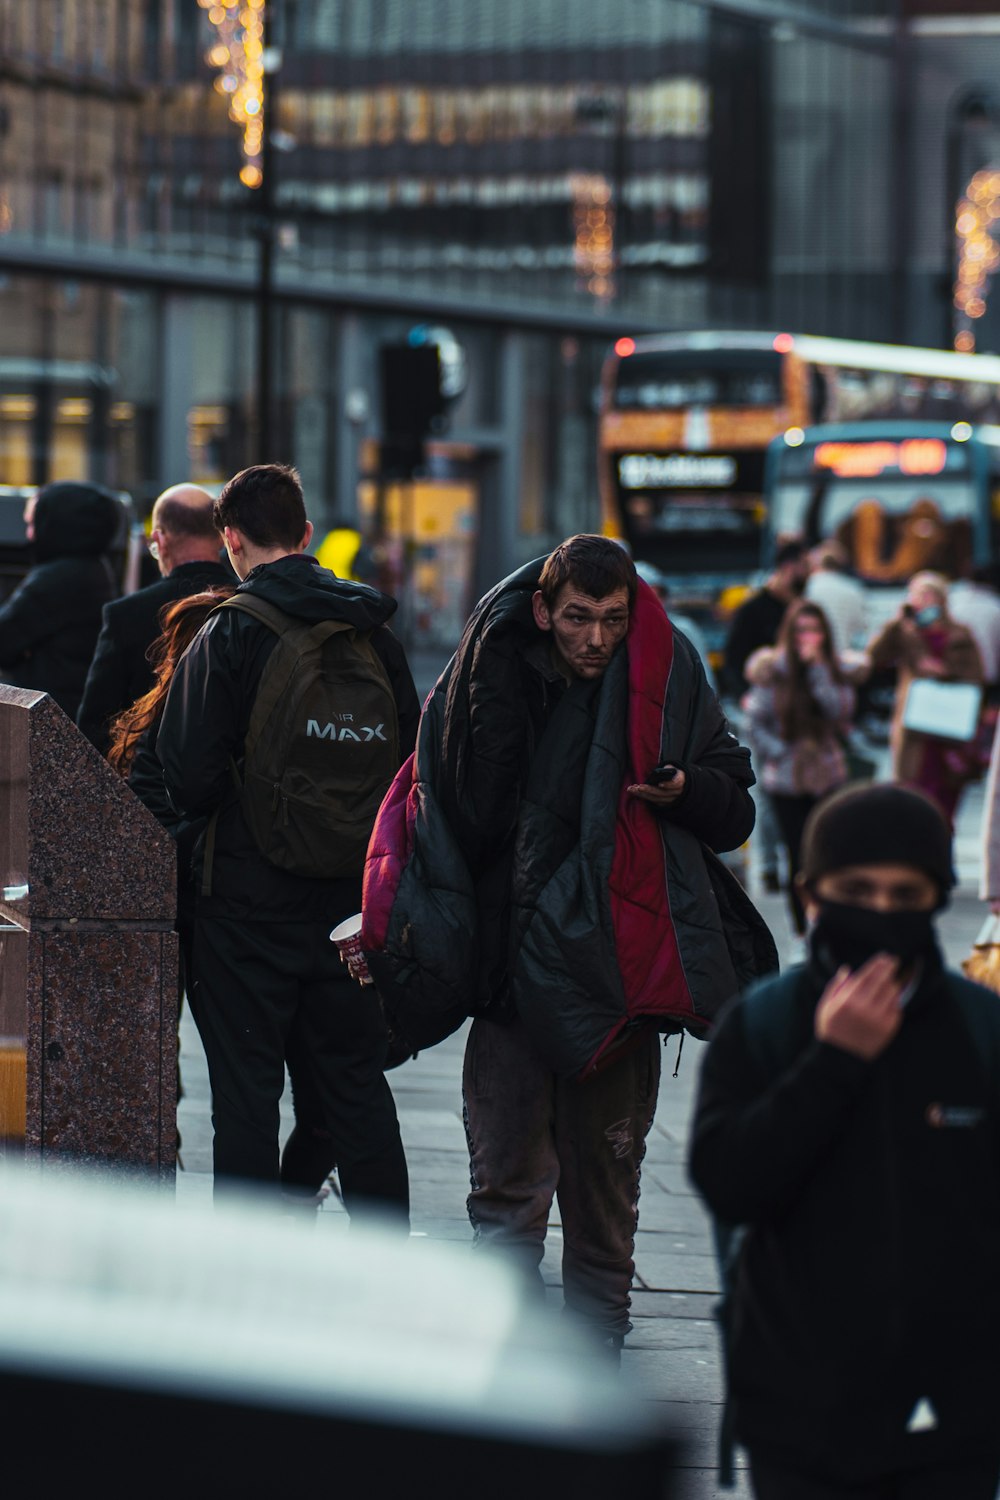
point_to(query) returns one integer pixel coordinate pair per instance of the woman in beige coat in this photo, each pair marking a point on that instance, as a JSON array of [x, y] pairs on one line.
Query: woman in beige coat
[[923, 641]]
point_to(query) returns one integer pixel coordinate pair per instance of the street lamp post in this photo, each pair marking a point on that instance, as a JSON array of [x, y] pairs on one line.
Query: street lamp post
[[266, 236]]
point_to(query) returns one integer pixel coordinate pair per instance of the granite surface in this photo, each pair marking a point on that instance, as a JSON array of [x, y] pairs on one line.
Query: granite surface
[[88, 956], [67, 820], [102, 1047]]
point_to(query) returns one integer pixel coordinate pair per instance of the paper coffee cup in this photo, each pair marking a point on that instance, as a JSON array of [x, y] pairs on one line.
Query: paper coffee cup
[[347, 937]]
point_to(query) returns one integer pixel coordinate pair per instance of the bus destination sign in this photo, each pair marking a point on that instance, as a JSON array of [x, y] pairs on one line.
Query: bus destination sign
[[913, 456], [676, 471]]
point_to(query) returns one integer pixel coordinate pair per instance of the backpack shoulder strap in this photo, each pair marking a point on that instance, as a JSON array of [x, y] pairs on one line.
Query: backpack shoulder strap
[[286, 627], [261, 609], [981, 1013]]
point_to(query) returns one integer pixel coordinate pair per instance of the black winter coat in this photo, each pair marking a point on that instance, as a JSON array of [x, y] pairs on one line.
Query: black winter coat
[[868, 1279], [120, 673], [535, 882], [756, 623], [49, 625], [205, 721]]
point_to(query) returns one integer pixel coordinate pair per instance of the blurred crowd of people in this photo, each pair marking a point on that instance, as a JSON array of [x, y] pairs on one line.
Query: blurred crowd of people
[[804, 661]]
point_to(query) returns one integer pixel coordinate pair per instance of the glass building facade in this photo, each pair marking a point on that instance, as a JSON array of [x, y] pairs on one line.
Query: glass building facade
[[537, 177]]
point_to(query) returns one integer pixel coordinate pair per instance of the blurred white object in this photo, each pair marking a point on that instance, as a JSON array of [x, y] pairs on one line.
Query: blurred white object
[[112, 1283]]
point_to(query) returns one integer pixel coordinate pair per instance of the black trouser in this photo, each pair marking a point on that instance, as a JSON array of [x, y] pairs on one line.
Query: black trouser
[[964, 1479], [534, 1136], [791, 813], [268, 993]]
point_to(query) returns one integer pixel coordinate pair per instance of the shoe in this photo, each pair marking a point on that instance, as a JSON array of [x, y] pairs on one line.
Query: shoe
[[610, 1349]]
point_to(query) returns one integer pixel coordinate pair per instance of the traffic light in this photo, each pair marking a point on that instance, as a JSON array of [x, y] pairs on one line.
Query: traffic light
[[411, 400]]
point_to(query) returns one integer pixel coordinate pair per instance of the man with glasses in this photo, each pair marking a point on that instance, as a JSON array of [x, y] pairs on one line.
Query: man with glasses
[[185, 544]]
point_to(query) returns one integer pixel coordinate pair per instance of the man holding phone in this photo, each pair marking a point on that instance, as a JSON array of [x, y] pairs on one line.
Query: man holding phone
[[575, 774], [849, 1117]]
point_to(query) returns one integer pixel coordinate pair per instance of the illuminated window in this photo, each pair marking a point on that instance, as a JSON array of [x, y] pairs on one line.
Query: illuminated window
[[445, 117], [387, 116], [416, 114]]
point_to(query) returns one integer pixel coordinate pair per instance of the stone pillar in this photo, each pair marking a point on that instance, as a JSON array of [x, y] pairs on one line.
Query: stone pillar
[[88, 955]]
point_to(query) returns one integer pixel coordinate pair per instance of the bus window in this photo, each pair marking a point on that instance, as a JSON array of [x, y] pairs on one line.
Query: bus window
[[674, 381]]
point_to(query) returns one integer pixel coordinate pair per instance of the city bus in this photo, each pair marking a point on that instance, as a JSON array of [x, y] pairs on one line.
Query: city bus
[[899, 496], [685, 420]]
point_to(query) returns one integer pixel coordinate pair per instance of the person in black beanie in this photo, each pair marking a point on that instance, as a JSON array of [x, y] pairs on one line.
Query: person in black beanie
[[848, 1116]]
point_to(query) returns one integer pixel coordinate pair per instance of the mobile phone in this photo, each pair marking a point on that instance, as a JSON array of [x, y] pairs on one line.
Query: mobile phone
[[659, 774]]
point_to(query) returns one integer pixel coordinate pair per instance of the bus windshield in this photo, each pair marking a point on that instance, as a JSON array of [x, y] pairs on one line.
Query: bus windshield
[[899, 504]]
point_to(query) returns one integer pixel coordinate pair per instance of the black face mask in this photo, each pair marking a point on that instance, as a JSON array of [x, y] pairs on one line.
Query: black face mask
[[853, 934]]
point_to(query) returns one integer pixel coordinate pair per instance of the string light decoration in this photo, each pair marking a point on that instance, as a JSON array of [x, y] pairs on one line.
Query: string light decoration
[[976, 219], [239, 56], [594, 235]]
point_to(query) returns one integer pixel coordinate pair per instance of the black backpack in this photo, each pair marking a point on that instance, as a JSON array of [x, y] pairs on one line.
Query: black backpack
[[322, 746]]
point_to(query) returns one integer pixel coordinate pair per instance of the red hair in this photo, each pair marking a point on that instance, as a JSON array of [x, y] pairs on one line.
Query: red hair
[[181, 622]]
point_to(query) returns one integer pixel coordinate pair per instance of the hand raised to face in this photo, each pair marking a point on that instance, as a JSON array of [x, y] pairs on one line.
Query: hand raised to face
[[860, 1010]]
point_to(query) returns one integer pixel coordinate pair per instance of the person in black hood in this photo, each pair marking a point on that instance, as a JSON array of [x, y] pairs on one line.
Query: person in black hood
[[268, 984], [848, 1116], [50, 624]]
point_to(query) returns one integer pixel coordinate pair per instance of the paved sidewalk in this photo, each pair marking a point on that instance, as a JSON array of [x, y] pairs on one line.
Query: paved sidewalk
[[672, 1356]]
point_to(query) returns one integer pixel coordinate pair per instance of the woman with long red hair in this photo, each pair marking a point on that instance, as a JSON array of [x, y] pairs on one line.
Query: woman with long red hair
[[799, 709]]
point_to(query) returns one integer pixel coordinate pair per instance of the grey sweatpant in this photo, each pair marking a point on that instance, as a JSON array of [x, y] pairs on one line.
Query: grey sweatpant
[[534, 1136]]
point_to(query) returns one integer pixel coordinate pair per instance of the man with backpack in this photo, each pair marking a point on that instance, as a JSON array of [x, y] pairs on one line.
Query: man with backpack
[[849, 1119], [284, 724]]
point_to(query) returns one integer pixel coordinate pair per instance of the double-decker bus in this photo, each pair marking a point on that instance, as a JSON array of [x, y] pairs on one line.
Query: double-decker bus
[[685, 420]]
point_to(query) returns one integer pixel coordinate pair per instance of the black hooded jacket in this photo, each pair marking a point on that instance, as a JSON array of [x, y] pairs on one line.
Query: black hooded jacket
[[205, 721], [866, 1313], [50, 624]]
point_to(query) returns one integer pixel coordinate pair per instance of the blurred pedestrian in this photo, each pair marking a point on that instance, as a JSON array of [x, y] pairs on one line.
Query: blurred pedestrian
[[572, 766], [922, 641], [281, 860], [848, 1117], [50, 624], [989, 881], [841, 597], [758, 619], [186, 547], [974, 602], [755, 623], [799, 710]]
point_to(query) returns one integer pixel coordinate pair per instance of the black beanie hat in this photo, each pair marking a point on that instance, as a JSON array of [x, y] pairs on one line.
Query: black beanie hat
[[886, 824]]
